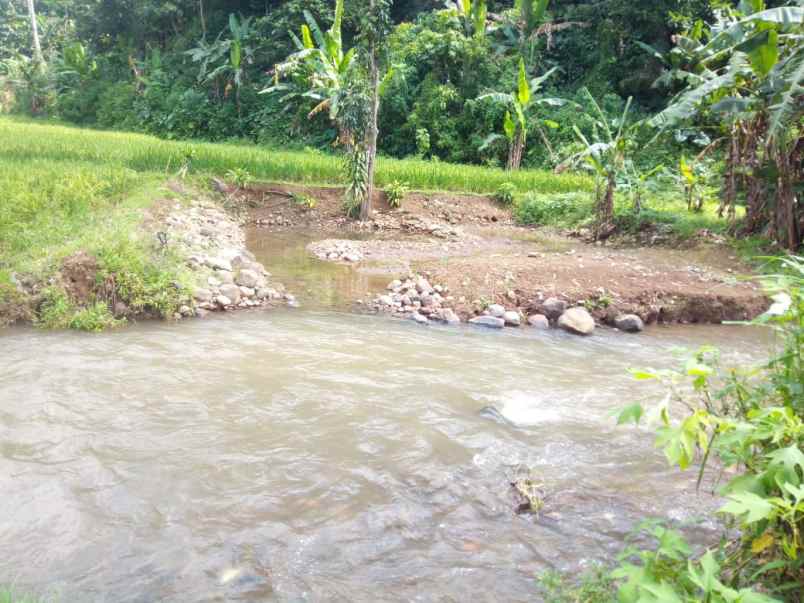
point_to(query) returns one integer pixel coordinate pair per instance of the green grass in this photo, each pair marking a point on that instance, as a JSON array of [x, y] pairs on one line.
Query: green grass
[[26, 140], [576, 209], [10, 595]]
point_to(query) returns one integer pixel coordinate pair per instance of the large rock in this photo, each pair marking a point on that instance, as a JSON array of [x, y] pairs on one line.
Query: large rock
[[202, 295], [578, 321], [496, 310], [553, 307], [539, 321], [630, 323], [247, 278], [488, 321], [511, 318], [232, 292], [419, 318]]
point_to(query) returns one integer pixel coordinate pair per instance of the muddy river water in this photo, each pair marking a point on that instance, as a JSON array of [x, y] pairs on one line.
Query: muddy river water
[[314, 454]]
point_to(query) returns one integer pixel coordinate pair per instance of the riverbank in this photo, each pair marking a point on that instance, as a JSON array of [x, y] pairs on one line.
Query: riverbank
[[472, 246], [99, 228]]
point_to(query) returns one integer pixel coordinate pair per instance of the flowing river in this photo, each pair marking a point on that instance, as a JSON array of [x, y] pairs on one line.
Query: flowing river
[[313, 454]]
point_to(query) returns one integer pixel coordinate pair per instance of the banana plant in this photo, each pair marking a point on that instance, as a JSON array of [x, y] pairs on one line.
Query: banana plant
[[473, 15], [225, 58], [744, 81], [318, 69], [606, 154], [516, 122]]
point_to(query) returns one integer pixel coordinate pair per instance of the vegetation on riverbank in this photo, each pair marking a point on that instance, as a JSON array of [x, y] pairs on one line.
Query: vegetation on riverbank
[[11, 595], [24, 140], [751, 421], [69, 190]]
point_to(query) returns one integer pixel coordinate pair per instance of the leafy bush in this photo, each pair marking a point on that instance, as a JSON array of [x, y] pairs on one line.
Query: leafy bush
[[566, 210], [240, 177], [504, 195], [752, 419], [95, 317], [146, 282], [395, 193]]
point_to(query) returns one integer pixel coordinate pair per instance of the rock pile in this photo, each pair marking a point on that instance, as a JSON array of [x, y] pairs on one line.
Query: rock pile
[[417, 299], [336, 250], [228, 275]]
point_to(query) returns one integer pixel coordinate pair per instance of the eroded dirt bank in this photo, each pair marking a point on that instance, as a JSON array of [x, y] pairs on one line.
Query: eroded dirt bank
[[471, 246]]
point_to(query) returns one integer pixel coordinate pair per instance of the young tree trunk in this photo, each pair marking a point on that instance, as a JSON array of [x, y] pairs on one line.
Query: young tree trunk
[[203, 20], [371, 134], [515, 150], [38, 58], [605, 208]]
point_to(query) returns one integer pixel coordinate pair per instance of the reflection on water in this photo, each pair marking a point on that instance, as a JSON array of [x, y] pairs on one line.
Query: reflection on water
[[317, 283], [310, 455]]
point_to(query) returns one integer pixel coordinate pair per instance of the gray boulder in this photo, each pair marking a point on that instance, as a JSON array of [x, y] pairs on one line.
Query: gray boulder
[[247, 278], [232, 292], [578, 321], [630, 323], [419, 318], [449, 317], [488, 321], [512, 319], [496, 310], [202, 295], [539, 321], [553, 307]]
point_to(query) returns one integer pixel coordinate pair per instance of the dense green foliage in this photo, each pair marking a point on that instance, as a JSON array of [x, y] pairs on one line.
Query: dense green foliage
[[168, 68], [751, 421], [500, 83]]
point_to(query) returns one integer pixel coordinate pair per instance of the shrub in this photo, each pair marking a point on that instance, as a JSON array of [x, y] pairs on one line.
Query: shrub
[[504, 195], [566, 210], [751, 419], [395, 193]]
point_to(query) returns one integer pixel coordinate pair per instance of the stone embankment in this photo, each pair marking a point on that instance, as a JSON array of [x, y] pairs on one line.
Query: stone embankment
[[227, 275], [415, 298]]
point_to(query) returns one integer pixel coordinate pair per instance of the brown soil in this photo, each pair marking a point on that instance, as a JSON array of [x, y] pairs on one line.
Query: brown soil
[[472, 245], [78, 273]]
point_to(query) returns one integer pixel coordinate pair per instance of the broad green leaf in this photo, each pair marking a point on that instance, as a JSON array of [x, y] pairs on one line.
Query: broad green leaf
[[630, 413], [789, 99], [687, 173], [553, 125], [523, 92], [766, 54], [335, 31], [789, 461], [692, 367], [754, 508], [508, 126], [707, 578], [307, 38]]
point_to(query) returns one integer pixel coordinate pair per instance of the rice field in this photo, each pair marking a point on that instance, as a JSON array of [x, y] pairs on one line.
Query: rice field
[[22, 141]]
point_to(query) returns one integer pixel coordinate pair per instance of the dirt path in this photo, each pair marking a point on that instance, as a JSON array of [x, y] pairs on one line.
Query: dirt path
[[473, 246]]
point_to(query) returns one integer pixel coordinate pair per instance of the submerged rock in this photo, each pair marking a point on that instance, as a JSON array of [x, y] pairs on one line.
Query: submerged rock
[[419, 318], [578, 321], [488, 321], [630, 323]]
